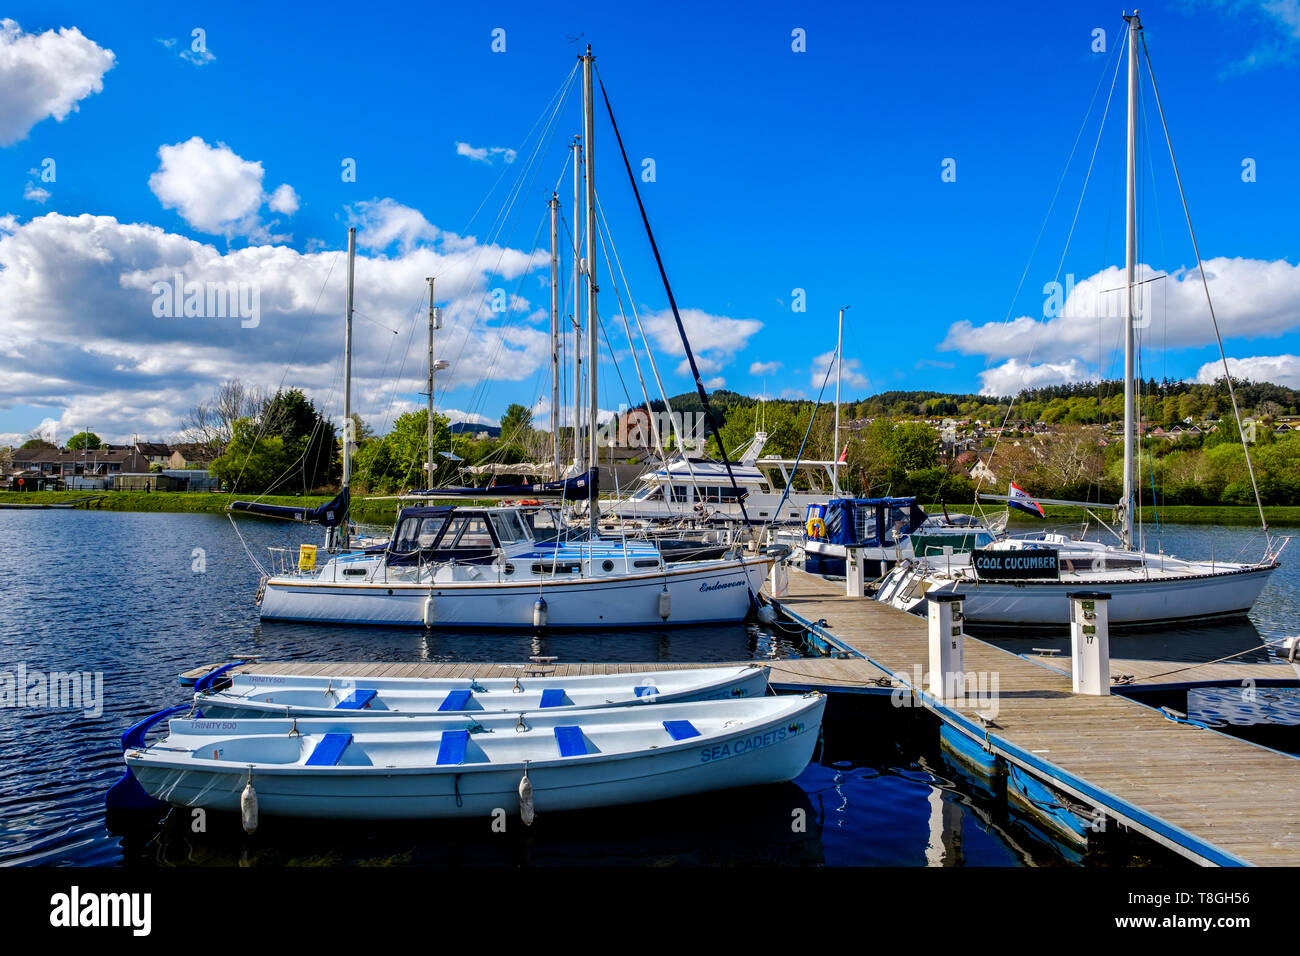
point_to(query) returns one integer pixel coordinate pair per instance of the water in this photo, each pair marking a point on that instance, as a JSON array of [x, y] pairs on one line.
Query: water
[[120, 593]]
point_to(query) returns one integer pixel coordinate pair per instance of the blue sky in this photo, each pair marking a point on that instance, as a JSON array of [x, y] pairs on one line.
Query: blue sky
[[776, 170]]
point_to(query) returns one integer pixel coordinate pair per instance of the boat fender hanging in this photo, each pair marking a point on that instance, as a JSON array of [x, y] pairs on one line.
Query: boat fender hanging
[[665, 603], [766, 615], [248, 805], [539, 612], [428, 611], [526, 811]]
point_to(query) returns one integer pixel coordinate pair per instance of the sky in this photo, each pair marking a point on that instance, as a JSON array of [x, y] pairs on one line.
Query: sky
[[945, 174]]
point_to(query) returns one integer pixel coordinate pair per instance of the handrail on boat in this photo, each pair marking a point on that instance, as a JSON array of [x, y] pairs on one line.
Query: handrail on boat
[[133, 736]]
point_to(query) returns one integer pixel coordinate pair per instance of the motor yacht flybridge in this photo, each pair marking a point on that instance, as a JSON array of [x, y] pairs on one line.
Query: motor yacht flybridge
[[701, 491], [1026, 580]]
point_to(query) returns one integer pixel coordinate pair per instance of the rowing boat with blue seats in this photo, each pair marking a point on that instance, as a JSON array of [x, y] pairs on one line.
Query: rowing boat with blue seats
[[349, 767], [250, 694]]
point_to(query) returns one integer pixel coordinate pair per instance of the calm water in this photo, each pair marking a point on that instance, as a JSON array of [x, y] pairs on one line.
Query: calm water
[[119, 593]]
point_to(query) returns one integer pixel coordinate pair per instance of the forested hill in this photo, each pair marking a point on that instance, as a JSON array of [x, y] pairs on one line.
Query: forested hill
[[1163, 402]]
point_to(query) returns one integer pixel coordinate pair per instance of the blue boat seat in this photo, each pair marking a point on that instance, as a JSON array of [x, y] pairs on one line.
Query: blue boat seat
[[680, 729], [642, 691], [456, 700], [357, 700], [329, 751], [553, 697], [451, 748], [571, 741]]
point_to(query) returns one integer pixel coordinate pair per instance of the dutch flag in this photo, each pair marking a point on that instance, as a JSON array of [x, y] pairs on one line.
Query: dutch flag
[[1017, 497]]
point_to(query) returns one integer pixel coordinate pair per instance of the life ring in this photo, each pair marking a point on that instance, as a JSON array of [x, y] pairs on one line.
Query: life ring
[[816, 528]]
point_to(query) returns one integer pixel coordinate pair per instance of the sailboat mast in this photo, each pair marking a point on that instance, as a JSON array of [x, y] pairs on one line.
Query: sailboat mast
[[555, 338], [589, 123], [577, 311], [1130, 266], [343, 535], [839, 368], [433, 325]]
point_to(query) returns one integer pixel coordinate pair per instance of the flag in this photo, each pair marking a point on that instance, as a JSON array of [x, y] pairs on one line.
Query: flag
[[844, 455], [1017, 497]]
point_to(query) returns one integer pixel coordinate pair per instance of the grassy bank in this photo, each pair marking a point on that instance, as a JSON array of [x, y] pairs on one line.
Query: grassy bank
[[194, 502], [1172, 514], [384, 511]]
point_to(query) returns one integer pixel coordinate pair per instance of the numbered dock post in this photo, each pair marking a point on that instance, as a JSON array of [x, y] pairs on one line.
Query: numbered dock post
[[778, 580], [1090, 642], [855, 575], [946, 659]]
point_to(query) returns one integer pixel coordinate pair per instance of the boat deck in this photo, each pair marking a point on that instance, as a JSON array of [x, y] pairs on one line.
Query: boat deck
[[1210, 797]]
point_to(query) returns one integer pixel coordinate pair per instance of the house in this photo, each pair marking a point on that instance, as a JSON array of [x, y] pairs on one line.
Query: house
[[63, 464], [191, 455], [156, 453], [982, 472]]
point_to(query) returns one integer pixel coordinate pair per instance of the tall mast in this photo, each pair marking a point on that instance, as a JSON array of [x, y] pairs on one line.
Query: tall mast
[[343, 535], [577, 311], [839, 367], [555, 337], [1130, 265], [589, 132], [433, 325]]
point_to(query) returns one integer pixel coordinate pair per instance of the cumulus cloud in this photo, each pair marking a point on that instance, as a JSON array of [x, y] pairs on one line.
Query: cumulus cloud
[[764, 368], [1278, 369], [485, 154], [121, 368], [715, 339], [35, 193], [1253, 298], [45, 75], [215, 190], [850, 376], [1012, 376]]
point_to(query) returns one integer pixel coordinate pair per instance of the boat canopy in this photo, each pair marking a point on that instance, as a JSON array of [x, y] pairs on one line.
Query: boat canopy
[[577, 488], [864, 522], [468, 535], [329, 515]]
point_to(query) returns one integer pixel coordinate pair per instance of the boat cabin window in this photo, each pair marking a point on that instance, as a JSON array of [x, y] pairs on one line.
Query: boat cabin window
[[466, 531], [416, 533], [679, 493], [716, 494], [509, 527], [864, 522], [899, 522]]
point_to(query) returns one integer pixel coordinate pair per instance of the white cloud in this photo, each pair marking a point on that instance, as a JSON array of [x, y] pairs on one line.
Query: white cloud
[[716, 382], [382, 222], [715, 339], [35, 193], [764, 368], [198, 57], [284, 200], [120, 369], [455, 415], [45, 75], [484, 154], [1012, 376], [215, 190], [851, 375], [1277, 369], [1252, 298]]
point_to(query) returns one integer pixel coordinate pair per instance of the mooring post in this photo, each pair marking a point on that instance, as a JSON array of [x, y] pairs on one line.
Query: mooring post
[[778, 580], [855, 575], [1090, 642], [946, 634]]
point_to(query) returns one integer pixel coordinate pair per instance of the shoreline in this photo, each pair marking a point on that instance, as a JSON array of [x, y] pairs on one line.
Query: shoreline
[[385, 511]]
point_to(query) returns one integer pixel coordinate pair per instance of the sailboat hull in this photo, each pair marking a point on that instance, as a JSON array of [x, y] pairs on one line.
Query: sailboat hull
[[715, 593], [1133, 603]]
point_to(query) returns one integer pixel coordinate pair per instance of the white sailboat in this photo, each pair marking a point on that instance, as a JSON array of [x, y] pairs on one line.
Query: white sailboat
[[1025, 580]]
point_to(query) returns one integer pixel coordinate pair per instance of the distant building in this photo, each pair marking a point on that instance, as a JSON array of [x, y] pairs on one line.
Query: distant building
[[62, 465]]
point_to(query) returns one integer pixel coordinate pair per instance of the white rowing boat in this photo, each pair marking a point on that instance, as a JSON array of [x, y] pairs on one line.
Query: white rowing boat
[[460, 766], [294, 695]]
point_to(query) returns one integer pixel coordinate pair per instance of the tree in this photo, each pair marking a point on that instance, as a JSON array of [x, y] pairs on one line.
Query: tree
[[307, 436], [84, 440], [212, 422], [251, 463], [396, 461], [38, 443]]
